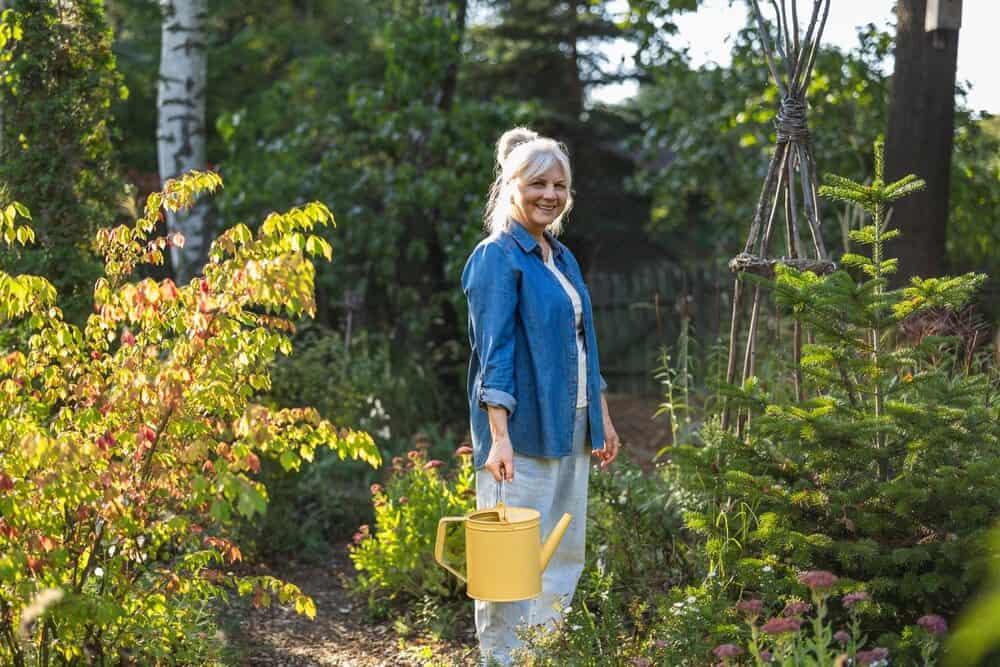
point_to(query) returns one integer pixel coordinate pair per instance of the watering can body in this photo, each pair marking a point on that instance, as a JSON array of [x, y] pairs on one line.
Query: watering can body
[[504, 554]]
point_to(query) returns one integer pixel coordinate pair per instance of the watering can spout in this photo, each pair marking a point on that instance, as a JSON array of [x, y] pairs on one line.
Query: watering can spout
[[554, 538]]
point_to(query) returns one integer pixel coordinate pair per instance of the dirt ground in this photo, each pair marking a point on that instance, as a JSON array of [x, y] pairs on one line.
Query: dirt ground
[[342, 636]]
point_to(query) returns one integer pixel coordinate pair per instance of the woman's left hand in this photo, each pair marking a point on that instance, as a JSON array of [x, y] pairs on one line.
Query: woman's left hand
[[611, 442]]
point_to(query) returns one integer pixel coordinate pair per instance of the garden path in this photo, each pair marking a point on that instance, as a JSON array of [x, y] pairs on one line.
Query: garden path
[[343, 636]]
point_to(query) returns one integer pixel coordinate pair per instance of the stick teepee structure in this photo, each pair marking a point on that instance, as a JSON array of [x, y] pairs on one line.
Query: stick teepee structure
[[791, 182]]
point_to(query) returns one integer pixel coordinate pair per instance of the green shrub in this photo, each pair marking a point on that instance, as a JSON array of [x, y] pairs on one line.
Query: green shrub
[[395, 559], [886, 474], [58, 79], [128, 446], [312, 508], [636, 555], [317, 507], [634, 528]]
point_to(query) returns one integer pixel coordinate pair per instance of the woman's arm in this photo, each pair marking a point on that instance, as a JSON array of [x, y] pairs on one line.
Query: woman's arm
[[611, 441], [490, 285], [500, 461]]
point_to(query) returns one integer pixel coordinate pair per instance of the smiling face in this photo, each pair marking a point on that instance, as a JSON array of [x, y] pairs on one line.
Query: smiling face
[[541, 199]]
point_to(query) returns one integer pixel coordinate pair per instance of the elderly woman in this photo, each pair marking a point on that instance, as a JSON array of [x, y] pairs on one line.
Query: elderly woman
[[536, 395]]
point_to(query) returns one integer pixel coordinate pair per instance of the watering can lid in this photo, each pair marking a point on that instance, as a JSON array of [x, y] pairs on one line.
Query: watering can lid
[[505, 514]]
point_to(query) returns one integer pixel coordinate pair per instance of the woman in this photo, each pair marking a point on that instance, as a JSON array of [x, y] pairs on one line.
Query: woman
[[536, 395]]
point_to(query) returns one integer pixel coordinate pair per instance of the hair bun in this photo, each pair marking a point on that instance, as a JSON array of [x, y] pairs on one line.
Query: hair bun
[[511, 139]]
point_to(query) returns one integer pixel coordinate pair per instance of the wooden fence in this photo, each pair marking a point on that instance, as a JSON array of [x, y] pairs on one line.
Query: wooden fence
[[637, 316]]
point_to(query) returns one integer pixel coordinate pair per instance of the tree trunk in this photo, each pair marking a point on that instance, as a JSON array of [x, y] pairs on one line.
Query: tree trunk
[[450, 83], [181, 123], [920, 138]]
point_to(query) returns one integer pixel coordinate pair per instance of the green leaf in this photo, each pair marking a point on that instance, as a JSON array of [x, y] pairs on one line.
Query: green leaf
[[289, 460]]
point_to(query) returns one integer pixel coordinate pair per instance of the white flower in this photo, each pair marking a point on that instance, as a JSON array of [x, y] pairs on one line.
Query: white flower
[[678, 604], [111, 550], [98, 571], [692, 599], [767, 568]]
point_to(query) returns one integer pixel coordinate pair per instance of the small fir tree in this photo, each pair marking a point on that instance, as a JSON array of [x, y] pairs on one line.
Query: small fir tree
[[887, 472]]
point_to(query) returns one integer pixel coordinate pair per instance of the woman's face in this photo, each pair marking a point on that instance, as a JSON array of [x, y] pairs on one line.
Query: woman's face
[[540, 200]]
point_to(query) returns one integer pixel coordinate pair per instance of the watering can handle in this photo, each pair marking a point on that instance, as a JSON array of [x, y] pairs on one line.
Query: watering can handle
[[439, 544]]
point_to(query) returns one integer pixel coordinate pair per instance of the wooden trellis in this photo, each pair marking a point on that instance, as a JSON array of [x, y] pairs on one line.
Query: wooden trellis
[[791, 174]]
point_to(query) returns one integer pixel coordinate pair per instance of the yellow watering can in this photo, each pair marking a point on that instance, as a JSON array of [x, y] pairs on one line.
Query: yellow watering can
[[504, 554]]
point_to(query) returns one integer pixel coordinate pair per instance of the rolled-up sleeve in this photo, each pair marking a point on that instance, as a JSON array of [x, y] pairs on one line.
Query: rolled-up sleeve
[[490, 285]]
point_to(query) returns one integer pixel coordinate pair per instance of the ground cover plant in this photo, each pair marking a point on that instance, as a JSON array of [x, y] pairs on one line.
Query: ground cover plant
[[128, 446]]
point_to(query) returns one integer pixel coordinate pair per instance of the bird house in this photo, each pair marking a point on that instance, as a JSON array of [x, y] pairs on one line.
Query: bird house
[[943, 15]]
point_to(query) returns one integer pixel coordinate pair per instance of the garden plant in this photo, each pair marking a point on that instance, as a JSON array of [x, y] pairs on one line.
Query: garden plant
[[886, 473], [128, 447]]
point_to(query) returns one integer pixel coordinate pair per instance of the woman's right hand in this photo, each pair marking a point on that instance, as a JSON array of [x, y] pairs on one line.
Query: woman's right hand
[[500, 461]]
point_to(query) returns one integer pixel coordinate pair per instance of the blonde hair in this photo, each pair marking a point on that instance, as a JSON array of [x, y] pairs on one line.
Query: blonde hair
[[523, 153]]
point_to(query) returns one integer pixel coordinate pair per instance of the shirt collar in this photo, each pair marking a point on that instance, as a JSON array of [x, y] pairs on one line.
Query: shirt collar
[[527, 241]]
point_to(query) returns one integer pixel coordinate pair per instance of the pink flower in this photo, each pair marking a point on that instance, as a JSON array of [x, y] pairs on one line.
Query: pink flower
[[376, 489], [751, 608], [818, 579], [842, 637], [765, 656], [727, 651], [128, 338], [403, 500], [464, 450], [852, 599], [778, 626], [433, 463], [872, 656], [933, 624], [796, 609]]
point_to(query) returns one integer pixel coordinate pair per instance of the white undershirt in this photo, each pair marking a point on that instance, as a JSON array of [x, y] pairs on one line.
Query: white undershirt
[[581, 350]]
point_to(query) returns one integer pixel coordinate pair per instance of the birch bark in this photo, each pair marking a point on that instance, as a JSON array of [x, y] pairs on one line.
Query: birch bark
[[180, 131]]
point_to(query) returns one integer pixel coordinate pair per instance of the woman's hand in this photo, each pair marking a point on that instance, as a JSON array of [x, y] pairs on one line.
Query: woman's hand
[[611, 441], [500, 462]]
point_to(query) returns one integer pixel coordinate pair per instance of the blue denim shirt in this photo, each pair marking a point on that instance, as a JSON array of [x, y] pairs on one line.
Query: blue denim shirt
[[522, 329]]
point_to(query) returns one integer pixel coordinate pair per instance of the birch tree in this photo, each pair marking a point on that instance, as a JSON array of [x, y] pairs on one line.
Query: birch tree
[[181, 123]]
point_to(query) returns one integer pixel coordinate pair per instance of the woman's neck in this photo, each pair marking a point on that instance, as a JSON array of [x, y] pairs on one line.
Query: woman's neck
[[536, 231]]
